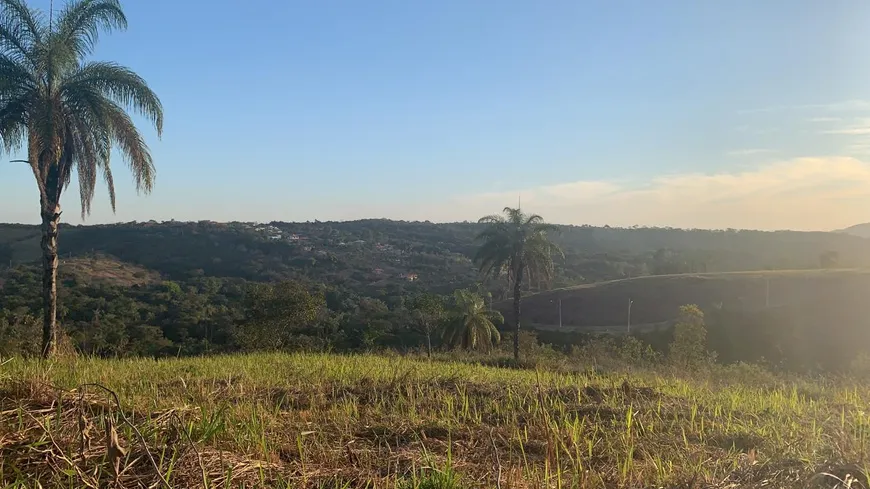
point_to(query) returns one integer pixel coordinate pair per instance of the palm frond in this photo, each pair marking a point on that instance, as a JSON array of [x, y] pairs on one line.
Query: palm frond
[[135, 150], [21, 30], [81, 21], [495, 318], [491, 219], [120, 85], [15, 79], [112, 125], [13, 123]]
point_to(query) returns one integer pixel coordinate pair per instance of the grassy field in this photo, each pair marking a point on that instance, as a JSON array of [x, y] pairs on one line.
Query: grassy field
[[321, 421], [656, 299]]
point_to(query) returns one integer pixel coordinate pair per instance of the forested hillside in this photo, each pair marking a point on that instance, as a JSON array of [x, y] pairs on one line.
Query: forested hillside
[[368, 254], [189, 288]]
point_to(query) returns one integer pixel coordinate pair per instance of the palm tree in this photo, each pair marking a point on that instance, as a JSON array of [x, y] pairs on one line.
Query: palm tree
[[516, 244], [472, 326], [70, 113]]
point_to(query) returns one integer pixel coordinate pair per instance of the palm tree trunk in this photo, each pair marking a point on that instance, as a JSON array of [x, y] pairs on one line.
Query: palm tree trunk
[[50, 220], [518, 281], [428, 341]]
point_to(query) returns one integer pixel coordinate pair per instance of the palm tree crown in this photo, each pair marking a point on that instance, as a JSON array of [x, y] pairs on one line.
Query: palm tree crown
[[69, 111], [472, 325], [516, 245]]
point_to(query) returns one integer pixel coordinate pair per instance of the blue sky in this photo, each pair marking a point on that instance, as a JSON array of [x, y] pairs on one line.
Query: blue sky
[[684, 113]]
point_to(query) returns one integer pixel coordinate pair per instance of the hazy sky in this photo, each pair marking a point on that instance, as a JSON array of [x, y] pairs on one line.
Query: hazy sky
[[739, 113]]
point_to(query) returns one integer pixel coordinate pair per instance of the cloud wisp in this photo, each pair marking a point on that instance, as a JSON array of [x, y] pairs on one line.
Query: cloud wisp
[[802, 194]]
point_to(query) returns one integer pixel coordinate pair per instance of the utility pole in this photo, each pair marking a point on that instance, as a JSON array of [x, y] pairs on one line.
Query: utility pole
[[560, 310], [628, 329], [767, 292]]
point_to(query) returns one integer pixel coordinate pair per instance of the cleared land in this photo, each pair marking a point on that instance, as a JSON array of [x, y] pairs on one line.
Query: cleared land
[[321, 421], [104, 269], [656, 299]]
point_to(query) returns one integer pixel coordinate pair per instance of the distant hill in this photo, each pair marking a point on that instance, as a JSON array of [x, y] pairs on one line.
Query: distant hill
[[380, 257], [860, 230]]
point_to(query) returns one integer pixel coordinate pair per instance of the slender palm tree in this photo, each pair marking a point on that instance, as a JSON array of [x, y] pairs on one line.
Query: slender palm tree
[[472, 325], [69, 112], [516, 245]]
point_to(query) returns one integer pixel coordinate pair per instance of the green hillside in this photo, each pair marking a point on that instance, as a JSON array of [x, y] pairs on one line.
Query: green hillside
[[370, 255]]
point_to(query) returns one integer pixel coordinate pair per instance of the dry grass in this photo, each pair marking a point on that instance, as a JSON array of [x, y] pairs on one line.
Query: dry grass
[[321, 421]]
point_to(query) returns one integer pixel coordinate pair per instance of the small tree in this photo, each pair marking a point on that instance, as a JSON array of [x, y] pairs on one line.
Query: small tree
[[427, 310], [689, 347]]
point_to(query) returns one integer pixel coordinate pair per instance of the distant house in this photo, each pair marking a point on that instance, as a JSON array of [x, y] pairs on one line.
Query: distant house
[[378, 271], [293, 237], [410, 277]]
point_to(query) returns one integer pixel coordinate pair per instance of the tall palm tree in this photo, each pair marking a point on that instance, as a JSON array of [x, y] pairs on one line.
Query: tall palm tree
[[516, 245], [472, 325], [70, 112]]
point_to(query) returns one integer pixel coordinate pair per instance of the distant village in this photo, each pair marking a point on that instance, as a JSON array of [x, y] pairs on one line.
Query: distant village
[[305, 244]]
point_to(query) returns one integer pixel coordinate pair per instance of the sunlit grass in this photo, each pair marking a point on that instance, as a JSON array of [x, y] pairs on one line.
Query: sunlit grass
[[329, 421]]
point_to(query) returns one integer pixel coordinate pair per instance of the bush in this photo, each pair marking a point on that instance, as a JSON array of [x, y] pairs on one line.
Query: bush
[[635, 352], [745, 374], [597, 352]]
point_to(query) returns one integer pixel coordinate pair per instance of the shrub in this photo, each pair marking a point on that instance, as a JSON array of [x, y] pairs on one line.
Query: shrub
[[688, 350], [635, 352], [745, 374]]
